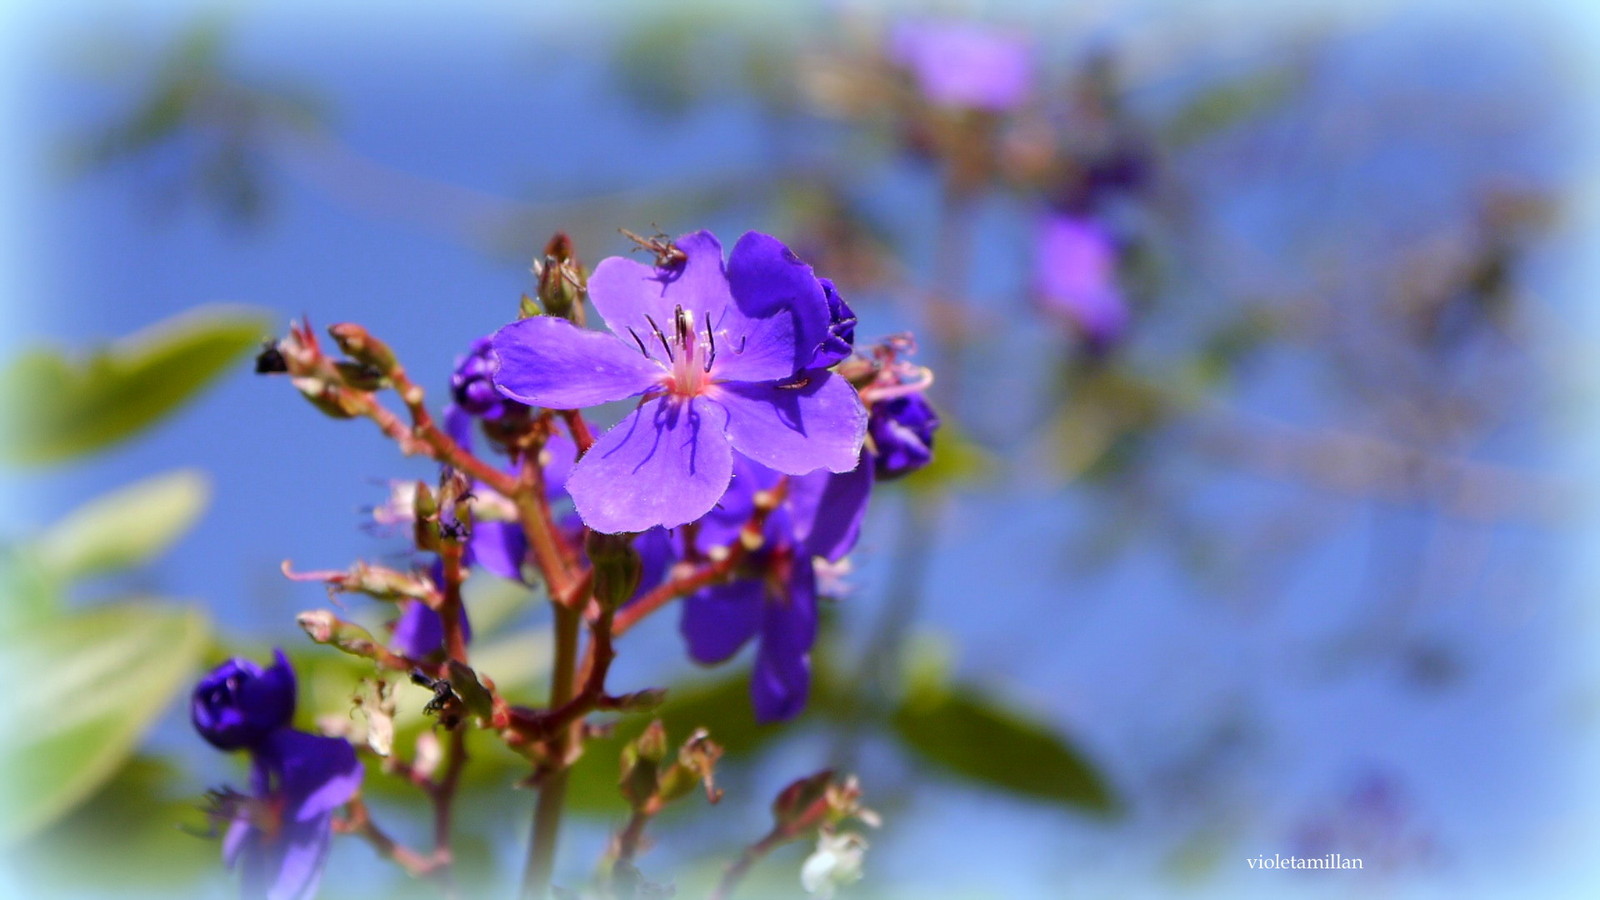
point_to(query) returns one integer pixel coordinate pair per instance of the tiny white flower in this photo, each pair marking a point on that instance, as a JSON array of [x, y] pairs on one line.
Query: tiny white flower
[[836, 862]]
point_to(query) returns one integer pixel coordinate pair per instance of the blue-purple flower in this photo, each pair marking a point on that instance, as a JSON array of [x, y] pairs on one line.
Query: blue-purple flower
[[278, 834], [240, 703], [1075, 271], [723, 358], [902, 430], [962, 64], [773, 596]]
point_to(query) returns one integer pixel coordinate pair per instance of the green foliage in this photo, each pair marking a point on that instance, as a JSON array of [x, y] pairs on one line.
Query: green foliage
[[126, 528], [53, 408], [1225, 105], [977, 738], [96, 680], [128, 835]]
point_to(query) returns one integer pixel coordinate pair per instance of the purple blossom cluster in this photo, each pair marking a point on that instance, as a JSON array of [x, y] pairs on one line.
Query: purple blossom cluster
[[277, 835], [753, 435]]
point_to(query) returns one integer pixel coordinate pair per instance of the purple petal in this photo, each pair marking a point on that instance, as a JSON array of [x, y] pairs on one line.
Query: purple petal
[[665, 464], [963, 64], [559, 455], [631, 296], [317, 774], [655, 557], [550, 362], [499, 547], [419, 632], [781, 679], [780, 314], [718, 620], [819, 425], [237, 837], [827, 510], [288, 865], [721, 526], [1075, 272]]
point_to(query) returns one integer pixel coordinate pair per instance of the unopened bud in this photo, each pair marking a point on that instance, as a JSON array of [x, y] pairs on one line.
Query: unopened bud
[[617, 568], [363, 347], [333, 399], [801, 804], [561, 280]]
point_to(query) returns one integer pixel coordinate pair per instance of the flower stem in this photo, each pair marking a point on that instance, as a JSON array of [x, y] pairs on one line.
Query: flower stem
[[741, 867], [553, 780]]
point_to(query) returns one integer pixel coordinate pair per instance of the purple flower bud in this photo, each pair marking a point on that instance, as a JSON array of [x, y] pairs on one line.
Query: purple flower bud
[[472, 383], [1075, 273], [841, 337], [239, 704], [902, 431]]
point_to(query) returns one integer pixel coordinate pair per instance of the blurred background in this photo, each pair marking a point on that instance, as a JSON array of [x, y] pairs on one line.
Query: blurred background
[[1262, 334]]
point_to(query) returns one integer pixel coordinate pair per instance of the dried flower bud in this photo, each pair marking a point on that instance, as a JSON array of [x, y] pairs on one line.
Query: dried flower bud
[[363, 347]]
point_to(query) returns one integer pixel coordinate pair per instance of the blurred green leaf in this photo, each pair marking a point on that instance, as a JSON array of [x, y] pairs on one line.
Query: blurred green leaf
[[95, 682], [53, 408], [126, 836], [1230, 103], [125, 528], [980, 740], [956, 460], [29, 590]]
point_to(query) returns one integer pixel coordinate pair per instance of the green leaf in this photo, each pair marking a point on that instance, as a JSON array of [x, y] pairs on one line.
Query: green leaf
[[1221, 107], [956, 460], [972, 736], [95, 682], [125, 528], [127, 836], [53, 408]]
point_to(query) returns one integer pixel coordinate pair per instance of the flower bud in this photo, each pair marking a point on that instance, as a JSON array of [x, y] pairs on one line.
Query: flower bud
[[841, 339], [902, 431], [472, 383], [617, 567], [561, 280], [239, 704], [363, 347]]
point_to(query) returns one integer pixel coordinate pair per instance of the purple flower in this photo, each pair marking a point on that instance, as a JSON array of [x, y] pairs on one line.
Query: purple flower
[[961, 64], [278, 835], [721, 358], [472, 384], [773, 598], [239, 704], [841, 338], [902, 435], [1075, 268]]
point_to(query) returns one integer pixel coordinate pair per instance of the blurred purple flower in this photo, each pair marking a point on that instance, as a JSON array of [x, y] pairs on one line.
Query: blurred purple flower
[[964, 64], [722, 359], [773, 598], [902, 431], [1075, 269], [239, 704], [277, 836]]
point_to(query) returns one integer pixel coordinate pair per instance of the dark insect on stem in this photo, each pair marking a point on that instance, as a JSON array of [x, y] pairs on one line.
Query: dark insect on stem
[[446, 704], [270, 360]]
